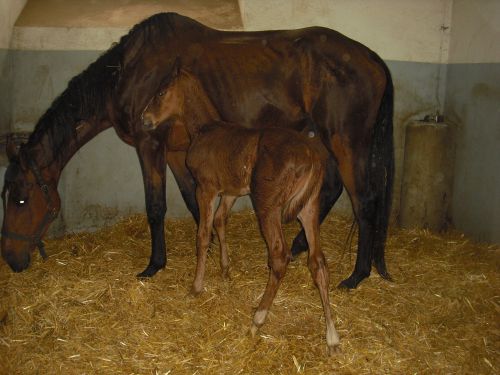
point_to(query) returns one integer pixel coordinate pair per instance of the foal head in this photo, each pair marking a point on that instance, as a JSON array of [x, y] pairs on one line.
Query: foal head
[[180, 98], [165, 105]]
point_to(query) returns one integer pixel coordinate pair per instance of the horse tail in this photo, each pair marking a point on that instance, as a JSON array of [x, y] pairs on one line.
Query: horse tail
[[380, 171]]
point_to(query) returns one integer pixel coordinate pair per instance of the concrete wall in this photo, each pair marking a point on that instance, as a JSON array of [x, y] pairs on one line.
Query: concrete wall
[[47, 56], [9, 11], [412, 37], [103, 181], [473, 105]]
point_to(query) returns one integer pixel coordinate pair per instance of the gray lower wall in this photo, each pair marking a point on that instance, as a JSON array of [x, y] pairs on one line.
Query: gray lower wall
[[103, 181], [5, 91], [473, 105]]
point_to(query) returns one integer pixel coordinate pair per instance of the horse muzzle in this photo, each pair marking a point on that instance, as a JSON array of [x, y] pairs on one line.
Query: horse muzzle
[[17, 261]]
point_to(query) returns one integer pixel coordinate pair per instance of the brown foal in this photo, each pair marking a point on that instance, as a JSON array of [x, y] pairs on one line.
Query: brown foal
[[281, 169]]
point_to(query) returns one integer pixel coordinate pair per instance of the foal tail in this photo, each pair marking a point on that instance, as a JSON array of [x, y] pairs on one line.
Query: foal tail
[[307, 188], [380, 170]]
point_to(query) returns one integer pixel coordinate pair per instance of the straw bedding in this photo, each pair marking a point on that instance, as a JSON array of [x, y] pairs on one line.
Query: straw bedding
[[83, 311]]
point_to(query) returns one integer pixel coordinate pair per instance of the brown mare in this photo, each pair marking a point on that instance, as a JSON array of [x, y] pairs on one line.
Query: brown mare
[[256, 79], [282, 170]]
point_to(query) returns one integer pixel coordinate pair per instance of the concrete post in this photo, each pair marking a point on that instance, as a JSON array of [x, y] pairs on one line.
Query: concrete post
[[427, 176]]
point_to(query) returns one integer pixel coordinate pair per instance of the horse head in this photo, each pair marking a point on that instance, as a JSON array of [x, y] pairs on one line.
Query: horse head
[[30, 202]]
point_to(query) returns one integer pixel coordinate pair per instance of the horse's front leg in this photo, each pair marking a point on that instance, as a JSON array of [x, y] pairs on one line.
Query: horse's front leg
[[176, 160], [151, 154]]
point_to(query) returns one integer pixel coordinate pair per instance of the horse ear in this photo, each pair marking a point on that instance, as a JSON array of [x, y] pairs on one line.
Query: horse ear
[[12, 149]]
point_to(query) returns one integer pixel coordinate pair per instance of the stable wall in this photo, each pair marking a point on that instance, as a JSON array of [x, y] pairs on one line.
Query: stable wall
[[411, 36], [103, 180], [473, 105], [9, 11]]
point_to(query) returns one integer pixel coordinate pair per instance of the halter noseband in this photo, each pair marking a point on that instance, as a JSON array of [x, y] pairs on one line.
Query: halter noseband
[[49, 216]]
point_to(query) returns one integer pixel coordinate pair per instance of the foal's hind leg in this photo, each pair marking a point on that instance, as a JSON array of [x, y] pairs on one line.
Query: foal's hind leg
[[278, 259], [319, 271], [205, 199], [220, 221], [330, 192]]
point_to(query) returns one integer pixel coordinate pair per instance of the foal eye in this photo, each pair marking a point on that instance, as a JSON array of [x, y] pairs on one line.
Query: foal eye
[[161, 93]]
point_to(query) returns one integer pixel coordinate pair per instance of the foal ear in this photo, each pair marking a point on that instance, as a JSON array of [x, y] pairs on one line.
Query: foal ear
[[176, 68], [11, 149]]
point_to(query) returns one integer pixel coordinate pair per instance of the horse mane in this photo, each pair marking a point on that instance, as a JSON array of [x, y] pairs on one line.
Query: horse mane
[[87, 93]]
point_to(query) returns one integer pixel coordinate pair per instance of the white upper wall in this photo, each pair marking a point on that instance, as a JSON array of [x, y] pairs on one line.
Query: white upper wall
[[9, 11], [407, 30], [95, 25], [476, 36]]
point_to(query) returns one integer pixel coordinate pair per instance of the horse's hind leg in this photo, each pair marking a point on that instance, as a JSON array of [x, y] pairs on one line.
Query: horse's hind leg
[[319, 271], [366, 191], [205, 199], [278, 259], [330, 193], [220, 221]]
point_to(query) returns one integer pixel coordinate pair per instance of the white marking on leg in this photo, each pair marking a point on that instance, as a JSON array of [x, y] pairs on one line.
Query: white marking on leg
[[332, 337], [259, 317]]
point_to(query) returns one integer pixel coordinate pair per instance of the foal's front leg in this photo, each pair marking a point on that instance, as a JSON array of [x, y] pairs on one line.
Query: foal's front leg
[[205, 199]]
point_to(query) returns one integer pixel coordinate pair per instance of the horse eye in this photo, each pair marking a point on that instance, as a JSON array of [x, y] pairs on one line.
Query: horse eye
[[21, 202], [161, 93]]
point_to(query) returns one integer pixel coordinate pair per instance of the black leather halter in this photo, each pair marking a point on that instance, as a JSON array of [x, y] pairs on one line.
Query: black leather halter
[[49, 216]]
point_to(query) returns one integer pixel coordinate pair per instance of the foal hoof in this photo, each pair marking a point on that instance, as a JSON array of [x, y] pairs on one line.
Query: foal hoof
[[194, 292], [333, 350], [225, 275], [253, 330]]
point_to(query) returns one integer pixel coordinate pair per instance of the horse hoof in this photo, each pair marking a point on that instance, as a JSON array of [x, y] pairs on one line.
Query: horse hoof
[[150, 271], [385, 275], [296, 254], [299, 246], [382, 270], [296, 251], [333, 350], [351, 282]]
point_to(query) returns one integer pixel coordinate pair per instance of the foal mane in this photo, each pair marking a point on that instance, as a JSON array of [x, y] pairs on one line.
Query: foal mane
[[87, 93]]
